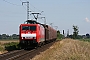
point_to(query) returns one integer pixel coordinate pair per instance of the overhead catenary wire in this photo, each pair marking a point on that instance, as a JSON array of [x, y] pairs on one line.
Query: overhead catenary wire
[[22, 5], [38, 10], [26, 5], [35, 7], [11, 3], [12, 12]]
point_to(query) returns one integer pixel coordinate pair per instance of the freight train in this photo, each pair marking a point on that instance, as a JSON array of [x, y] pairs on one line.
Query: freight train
[[33, 34]]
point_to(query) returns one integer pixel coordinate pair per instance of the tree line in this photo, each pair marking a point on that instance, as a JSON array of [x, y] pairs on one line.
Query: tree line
[[75, 34], [6, 36]]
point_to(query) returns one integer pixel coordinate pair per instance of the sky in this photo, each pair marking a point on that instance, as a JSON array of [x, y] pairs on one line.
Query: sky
[[61, 13]]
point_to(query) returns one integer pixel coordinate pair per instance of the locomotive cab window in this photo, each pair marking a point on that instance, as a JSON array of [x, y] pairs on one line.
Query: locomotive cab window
[[25, 27], [28, 27], [32, 27]]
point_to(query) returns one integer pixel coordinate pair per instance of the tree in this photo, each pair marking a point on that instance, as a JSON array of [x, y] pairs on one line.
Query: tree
[[59, 36], [0, 36], [14, 36], [4, 36], [75, 33], [87, 35]]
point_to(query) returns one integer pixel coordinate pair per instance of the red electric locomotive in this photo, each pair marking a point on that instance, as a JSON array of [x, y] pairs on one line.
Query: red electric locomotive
[[31, 34]]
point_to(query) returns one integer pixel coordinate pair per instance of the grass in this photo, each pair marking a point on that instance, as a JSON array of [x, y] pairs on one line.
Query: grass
[[87, 40], [2, 48], [75, 50], [67, 49], [8, 41]]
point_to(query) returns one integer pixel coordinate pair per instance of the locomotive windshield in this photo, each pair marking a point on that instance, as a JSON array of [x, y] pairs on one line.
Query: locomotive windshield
[[28, 27]]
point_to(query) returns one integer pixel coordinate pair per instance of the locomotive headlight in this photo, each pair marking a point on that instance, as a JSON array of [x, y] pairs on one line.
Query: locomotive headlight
[[23, 37], [34, 37]]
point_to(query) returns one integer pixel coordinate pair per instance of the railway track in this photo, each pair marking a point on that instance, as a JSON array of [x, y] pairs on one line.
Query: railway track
[[10, 54], [24, 54]]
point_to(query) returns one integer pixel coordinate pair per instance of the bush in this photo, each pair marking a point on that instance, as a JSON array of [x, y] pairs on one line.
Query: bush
[[11, 46]]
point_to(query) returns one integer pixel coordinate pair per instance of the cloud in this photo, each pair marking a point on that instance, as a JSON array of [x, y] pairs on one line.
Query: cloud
[[87, 20]]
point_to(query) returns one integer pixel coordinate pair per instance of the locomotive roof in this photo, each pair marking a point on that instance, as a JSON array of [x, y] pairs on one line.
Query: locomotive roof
[[32, 22], [35, 22]]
